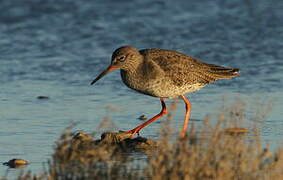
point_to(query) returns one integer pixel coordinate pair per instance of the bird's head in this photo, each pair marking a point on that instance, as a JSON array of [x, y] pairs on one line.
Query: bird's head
[[122, 58]]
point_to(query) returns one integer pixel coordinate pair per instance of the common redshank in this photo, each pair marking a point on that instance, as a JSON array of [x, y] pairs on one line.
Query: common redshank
[[164, 74]]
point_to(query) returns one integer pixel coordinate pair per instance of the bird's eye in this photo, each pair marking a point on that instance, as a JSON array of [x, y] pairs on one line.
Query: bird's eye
[[121, 58]]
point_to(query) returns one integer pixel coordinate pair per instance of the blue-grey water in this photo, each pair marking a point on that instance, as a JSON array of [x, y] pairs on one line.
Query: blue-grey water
[[55, 48]]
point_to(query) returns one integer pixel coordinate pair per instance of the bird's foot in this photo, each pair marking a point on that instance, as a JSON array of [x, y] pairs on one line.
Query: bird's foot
[[133, 132]]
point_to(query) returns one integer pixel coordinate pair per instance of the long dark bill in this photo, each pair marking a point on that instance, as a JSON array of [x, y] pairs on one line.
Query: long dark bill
[[103, 73]]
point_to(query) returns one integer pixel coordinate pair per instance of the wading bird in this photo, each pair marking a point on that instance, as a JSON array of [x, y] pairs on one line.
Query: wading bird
[[164, 74]]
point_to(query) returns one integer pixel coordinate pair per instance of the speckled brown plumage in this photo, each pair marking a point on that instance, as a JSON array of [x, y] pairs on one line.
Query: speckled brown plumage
[[164, 74]]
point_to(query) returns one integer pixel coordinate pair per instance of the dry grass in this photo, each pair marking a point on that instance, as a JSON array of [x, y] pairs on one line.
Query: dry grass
[[219, 156], [208, 153]]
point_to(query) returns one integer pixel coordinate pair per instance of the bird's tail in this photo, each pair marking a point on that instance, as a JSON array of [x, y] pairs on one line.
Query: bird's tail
[[220, 72]]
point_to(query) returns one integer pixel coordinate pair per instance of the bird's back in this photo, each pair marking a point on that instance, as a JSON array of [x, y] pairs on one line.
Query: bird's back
[[166, 73], [186, 70]]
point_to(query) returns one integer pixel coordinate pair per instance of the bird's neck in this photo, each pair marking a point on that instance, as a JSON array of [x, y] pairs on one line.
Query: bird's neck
[[133, 66], [131, 72]]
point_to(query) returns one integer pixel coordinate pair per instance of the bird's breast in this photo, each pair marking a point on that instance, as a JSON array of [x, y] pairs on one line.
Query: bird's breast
[[142, 83], [156, 87]]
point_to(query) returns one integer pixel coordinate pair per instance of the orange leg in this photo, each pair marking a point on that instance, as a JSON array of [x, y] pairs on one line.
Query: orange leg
[[187, 116], [162, 113]]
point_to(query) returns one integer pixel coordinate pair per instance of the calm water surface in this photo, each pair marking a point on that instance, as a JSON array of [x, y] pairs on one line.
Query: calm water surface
[[55, 48]]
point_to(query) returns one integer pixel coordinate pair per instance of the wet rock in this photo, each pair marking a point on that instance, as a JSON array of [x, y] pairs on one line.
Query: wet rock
[[142, 117], [141, 144], [81, 136], [120, 140], [114, 137], [16, 163], [126, 142]]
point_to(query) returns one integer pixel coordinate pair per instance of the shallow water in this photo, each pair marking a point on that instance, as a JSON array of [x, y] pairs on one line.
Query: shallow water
[[55, 48]]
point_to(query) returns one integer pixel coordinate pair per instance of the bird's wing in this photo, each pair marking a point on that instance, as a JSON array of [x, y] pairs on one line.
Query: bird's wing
[[183, 69]]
